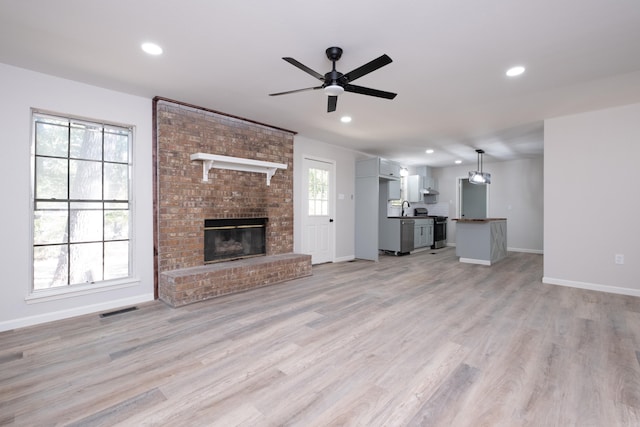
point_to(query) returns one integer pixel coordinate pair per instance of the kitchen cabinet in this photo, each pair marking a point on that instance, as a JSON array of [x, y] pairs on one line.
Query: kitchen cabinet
[[431, 184], [423, 233], [378, 167], [389, 169], [367, 209], [377, 181], [393, 190], [414, 188]]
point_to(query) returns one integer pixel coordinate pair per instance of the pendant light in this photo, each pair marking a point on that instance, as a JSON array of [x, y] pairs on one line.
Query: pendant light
[[477, 176]]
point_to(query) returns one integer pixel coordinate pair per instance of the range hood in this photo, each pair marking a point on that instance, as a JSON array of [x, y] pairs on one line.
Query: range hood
[[430, 192]]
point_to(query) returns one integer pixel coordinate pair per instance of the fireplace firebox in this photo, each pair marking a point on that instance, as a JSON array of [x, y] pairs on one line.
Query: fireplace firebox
[[234, 238]]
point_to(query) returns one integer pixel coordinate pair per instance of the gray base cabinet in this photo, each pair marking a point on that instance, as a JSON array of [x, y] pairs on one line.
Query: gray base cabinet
[[423, 233]]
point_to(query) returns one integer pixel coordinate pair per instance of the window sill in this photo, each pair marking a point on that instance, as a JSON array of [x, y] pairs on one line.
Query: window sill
[[52, 294]]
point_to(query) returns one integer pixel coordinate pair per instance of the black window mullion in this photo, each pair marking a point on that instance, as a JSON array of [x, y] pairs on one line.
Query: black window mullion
[[103, 204], [69, 203]]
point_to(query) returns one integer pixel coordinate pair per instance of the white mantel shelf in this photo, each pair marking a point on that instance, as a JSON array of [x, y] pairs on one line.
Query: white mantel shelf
[[236, 163]]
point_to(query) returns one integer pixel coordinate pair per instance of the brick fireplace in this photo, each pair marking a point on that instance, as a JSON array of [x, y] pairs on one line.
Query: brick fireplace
[[184, 201]]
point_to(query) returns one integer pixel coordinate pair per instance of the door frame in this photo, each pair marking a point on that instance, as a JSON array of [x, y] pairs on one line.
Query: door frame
[[302, 205], [459, 196]]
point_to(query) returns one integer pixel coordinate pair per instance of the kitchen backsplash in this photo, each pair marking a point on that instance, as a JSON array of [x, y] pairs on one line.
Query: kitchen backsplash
[[437, 209]]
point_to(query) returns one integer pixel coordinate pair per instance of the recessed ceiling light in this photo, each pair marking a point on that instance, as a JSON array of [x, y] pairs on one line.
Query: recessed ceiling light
[[345, 119], [152, 48], [515, 71], [457, 162], [429, 151]]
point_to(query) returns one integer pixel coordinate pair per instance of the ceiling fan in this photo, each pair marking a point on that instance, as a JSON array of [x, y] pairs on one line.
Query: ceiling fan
[[335, 83]]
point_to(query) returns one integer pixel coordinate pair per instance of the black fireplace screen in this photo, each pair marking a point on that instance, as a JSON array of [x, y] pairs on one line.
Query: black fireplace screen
[[227, 239]]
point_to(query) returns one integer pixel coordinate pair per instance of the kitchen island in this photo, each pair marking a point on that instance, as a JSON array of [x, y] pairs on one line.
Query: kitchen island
[[482, 240]]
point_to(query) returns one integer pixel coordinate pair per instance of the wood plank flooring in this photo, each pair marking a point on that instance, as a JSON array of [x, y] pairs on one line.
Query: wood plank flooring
[[419, 340]]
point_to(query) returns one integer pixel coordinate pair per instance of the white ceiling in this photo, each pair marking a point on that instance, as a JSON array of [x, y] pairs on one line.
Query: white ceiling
[[449, 59]]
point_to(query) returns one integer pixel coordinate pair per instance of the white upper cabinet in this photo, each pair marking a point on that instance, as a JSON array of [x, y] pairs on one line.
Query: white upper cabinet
[[414, 188], [376, 166], [389, 169]]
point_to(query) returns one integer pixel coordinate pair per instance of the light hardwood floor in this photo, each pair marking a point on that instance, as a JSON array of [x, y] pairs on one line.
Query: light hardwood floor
[[415, 340]]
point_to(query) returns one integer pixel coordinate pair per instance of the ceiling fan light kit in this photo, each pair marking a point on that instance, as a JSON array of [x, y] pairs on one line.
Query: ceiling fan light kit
[[335, 83], [334, 90], [478, 176]]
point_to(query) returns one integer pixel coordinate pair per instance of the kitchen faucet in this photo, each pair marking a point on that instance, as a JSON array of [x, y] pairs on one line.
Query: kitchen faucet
[[408, 205]]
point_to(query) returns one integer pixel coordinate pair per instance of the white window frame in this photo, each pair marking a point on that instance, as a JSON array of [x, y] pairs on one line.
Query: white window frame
[[72, 290]]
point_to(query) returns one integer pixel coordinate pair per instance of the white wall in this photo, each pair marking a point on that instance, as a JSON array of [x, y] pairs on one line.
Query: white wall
[[345, 185], [21, 90], [515, 193], [591, 200]]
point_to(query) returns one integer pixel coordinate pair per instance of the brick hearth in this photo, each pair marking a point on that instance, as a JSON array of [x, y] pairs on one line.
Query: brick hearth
[[187, 285], [184, 201]]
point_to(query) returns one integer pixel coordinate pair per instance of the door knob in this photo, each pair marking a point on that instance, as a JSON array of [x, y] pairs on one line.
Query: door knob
[[330, 219]]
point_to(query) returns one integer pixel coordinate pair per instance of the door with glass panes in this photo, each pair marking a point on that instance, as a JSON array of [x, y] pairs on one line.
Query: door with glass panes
[[318, 210]]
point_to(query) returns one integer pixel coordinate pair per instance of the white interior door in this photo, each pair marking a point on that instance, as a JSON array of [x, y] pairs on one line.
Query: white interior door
[[318, 210]]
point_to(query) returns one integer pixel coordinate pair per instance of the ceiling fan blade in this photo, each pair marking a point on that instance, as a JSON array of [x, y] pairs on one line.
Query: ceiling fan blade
[[367, 68], [304, 68], [368, 91], [332, 104], [294, 91]]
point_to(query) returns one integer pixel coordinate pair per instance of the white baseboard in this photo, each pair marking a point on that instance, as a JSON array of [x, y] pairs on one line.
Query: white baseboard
[[345, 258], [79, 311], [591, 286], [475, 261], [528, 251]]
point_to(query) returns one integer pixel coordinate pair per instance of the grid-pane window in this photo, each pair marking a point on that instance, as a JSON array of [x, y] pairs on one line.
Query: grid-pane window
[[81, 202], [318, 192]]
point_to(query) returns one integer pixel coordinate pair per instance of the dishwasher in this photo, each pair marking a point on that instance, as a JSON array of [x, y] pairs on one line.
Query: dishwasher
[[396, 235], [406, 235]]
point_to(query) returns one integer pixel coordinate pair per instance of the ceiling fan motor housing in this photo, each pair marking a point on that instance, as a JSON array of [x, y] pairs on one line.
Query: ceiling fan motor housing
[[334, 53], [334, 78]]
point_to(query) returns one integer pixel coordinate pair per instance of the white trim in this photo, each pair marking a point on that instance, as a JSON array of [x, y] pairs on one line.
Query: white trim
[[528, 251], [345, 258], [591, 286], [333, 192], [236, 163], [78, 311], [475, 261], [63, 292]]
